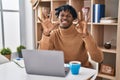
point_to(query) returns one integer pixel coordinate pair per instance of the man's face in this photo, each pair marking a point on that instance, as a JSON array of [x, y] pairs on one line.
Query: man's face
[[65, 19]]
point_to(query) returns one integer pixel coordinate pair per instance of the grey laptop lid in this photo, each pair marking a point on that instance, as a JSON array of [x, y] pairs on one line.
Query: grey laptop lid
[[44, 62]]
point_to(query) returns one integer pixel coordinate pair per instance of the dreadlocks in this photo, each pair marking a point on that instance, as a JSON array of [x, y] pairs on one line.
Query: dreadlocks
[[64, 8]]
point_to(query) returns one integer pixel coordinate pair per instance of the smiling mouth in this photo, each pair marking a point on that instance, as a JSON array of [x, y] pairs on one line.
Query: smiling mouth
[[64, 22]]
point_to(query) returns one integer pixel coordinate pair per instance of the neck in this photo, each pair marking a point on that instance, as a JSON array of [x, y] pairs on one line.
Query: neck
[[70, 31], [66, 27]]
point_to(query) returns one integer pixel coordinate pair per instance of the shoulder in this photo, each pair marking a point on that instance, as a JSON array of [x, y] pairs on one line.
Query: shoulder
[[54, 33]]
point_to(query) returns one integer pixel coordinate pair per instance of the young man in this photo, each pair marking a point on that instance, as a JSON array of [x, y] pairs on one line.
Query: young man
[[74, 40]]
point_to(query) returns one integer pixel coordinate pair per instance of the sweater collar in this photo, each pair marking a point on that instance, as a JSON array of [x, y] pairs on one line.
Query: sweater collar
[[71, 31]]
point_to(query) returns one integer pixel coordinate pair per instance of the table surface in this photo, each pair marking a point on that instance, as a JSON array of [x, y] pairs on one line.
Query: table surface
[[11, 71]]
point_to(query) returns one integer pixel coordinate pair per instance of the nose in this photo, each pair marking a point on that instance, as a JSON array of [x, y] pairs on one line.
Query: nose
[[64, 17]]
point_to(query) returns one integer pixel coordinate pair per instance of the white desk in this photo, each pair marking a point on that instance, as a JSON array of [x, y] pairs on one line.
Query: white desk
[[11, 71]]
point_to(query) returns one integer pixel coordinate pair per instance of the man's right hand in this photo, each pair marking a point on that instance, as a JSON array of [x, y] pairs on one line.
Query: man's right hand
[[46, 23]]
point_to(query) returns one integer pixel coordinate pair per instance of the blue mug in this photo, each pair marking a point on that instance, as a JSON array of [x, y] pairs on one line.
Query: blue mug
[[75, 67]]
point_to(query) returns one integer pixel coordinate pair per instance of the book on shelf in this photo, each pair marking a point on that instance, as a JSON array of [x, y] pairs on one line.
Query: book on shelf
[[108, 20], [98, 12]]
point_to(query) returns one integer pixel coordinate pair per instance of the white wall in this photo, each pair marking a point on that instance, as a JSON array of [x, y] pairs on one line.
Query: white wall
[[29, 25]]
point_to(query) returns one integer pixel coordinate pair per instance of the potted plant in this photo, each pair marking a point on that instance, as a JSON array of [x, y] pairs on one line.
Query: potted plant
[[19, 48], [6, 52]]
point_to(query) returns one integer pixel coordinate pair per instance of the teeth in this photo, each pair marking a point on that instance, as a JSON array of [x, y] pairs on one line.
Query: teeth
[[64, 22]]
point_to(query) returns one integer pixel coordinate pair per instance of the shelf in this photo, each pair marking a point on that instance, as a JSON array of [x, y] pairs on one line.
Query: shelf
[[51, 0], [100, 31], [56, 21], [106, 76], [59, 0], [89, 23], [112, 50], [45, 0], [112, 24]]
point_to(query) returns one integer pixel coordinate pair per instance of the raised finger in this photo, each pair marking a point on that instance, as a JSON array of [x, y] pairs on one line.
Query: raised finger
[[79, 15], [88, 18], [43, 16], [84, 27], [79, 29], [40, 19], [50, 15], [46, 15], [79, 25]]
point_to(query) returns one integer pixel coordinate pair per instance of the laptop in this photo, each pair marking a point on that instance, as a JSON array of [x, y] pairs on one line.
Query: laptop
[[44, 62]]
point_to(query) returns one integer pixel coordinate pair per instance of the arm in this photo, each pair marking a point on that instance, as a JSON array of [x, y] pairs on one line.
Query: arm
[[94, 51], [91, 46], [44, 43], [47, 26]]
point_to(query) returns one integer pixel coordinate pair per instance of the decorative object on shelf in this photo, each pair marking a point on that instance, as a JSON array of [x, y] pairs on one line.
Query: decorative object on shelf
[[98, 12], [6, 52], [108, 20], [107, 45], [107, 69], [35, 3], [85, 11], [19, 48]]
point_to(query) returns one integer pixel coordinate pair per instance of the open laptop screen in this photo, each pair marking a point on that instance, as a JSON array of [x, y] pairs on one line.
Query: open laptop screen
[[44, 62]]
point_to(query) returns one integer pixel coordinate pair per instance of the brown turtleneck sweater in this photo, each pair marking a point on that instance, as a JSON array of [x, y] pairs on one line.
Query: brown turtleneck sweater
[[74, 46]]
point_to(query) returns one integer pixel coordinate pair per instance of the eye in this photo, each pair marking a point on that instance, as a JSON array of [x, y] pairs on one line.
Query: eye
[[61, 15], [68, 16]]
